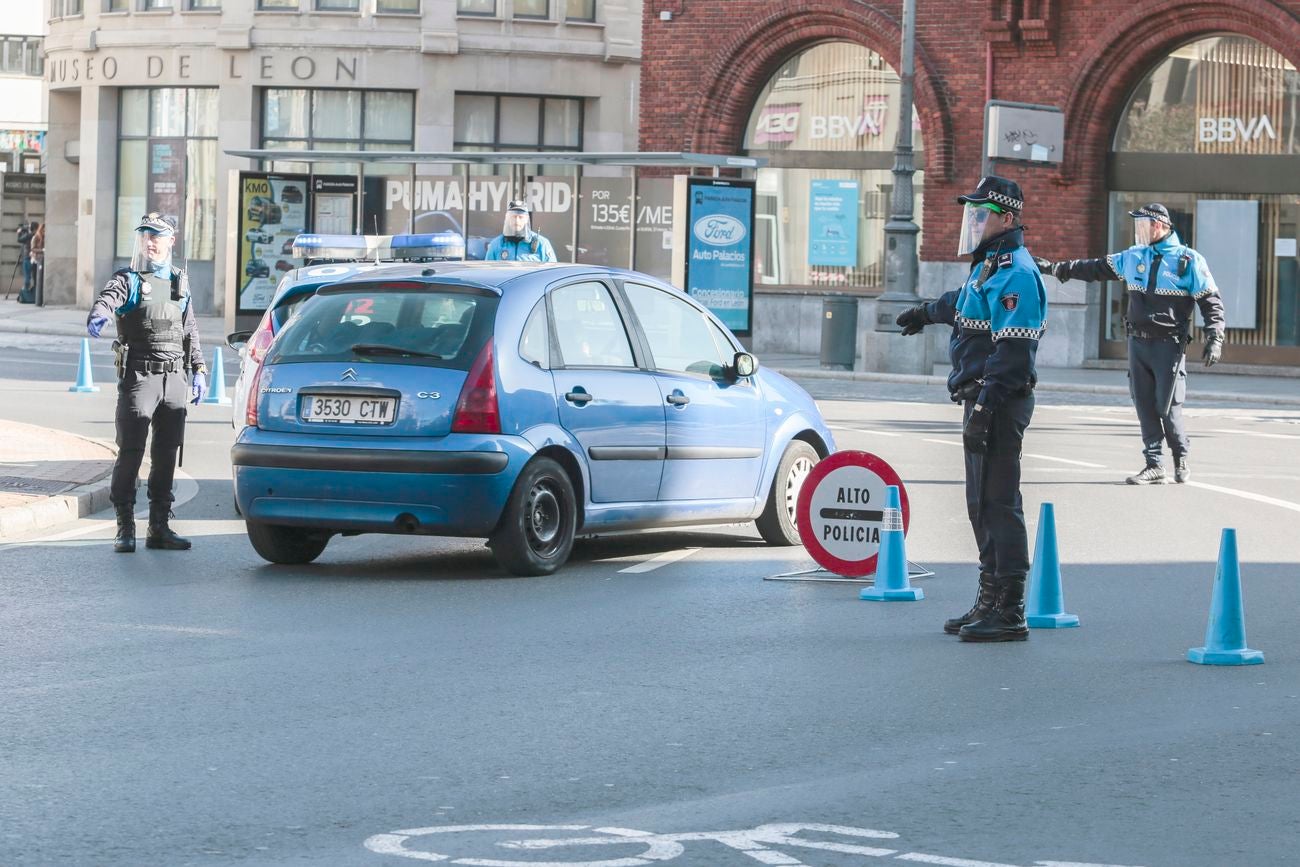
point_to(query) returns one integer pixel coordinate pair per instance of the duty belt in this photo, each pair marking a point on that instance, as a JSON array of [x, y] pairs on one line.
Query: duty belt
[[1154, 335], [970, 390], [176, 365]]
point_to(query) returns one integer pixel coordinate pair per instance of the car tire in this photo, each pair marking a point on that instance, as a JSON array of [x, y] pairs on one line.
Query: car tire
[[777, 523], [287, 546], [535, 534]]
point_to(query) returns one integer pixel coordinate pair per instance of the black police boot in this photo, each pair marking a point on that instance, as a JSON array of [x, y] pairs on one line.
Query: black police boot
[[160, 535], [1181, 472], [1006, 622], [982, 608], [1154, 474], [124, 542]]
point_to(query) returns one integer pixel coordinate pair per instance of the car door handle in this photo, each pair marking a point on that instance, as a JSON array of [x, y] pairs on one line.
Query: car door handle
[[578, 397], [678, 399]]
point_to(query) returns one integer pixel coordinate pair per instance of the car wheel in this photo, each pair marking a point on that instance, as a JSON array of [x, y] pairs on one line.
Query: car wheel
[[288, 546], [536, 531], [777, 524]]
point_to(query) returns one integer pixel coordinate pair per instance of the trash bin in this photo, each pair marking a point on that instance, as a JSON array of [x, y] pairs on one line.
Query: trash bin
[[839, 332]]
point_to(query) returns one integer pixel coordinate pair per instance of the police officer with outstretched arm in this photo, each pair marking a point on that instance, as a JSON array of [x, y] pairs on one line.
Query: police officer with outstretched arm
[[1165, 280], [997, 318], [160, 369]]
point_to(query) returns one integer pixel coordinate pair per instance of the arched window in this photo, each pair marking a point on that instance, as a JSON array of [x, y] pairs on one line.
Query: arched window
[[1213, 133], [826, 121]]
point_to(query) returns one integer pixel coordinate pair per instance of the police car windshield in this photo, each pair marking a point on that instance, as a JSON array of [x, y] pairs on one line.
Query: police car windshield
[[436, 326]]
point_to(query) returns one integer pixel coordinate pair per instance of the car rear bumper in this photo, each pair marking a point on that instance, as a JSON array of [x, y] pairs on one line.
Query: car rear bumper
[[450, 491]]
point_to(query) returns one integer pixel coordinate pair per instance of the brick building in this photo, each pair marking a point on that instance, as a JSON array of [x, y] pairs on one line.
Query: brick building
[[1193, 103]]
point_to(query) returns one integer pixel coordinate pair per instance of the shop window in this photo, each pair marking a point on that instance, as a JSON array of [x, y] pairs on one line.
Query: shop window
[[353, 120], [411, 7], [476, 7], [167, 162], [822, 223], [532, 9], [580, 10]]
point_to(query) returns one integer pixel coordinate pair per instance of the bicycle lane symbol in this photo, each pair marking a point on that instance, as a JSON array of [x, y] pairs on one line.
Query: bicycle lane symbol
[[753, 843]]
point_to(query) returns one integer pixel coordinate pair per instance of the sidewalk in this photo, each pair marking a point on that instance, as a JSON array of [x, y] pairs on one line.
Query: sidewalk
[[48, 477], [1202, 384], [18, 318]]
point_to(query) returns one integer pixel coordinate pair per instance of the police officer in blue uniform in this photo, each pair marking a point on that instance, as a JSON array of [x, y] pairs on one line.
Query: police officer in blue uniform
[[997, 318], [1166, 279], [517, 241], [160, 369]]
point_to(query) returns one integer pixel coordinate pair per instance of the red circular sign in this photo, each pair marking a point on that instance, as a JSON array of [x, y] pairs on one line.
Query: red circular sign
[[840, 511]]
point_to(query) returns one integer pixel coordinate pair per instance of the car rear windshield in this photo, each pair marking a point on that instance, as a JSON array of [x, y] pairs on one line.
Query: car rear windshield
[[427, 325]]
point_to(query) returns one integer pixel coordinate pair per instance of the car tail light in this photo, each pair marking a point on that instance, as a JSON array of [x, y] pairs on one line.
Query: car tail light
[[261, 339], [254, 390], [476, 411]]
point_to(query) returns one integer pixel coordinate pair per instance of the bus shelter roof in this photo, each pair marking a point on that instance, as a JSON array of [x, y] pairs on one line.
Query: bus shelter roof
[[584, 158]]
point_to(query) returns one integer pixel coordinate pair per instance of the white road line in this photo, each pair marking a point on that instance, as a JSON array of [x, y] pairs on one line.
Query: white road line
[[1251, 433], [922, 858], [182, 630], [661, 560], [1098, 419], [879, 433], [943, 442], [1066, 461], [1247, 495]]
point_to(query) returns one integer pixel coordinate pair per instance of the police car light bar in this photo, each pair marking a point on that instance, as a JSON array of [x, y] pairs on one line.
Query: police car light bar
[[434, 245], [429, 245]]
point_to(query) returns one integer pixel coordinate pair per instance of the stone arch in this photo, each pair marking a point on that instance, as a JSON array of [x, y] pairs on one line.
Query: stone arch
[[1130, 47], [742, 67]]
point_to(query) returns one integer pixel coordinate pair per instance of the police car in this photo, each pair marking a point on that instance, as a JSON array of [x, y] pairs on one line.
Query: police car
[[521, 403]]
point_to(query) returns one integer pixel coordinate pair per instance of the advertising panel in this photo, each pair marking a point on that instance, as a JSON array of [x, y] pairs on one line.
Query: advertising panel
[[333, 204], [719, 229], [167, 181], [833, 223], [605, 225], [272, 212], [654, 227]]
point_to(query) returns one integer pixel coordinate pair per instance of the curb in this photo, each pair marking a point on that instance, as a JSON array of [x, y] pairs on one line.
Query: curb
[[1064, 387], [83, 500]]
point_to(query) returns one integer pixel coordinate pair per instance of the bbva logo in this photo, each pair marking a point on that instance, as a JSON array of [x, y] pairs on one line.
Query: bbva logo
[[719, 230], [1230, 129]]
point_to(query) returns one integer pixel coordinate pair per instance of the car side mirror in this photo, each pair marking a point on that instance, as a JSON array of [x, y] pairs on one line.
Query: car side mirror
[[744, 364], [236, 340]]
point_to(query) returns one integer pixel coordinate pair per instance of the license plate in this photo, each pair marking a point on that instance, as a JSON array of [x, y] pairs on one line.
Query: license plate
[[348, 409]]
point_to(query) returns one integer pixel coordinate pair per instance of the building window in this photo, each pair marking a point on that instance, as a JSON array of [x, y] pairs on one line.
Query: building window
[[532, 8], [337, 120], [64, 8], [203, 5], [476, 7], [485, 122], [167, 162], [411, 7], [337, 5], [117, 5], [21, 55], [580, 10], [277, 5], [156, 5]]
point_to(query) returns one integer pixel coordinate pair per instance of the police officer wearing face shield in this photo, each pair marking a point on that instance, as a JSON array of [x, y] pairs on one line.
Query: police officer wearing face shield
[[161, 369], [997, 318], [1165, 280], [517, 241]]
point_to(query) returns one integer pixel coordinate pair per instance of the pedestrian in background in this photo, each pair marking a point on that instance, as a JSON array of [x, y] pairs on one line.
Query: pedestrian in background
[[1166, 279], [38, 262], [162, 368], [997, 318], [24, 233]]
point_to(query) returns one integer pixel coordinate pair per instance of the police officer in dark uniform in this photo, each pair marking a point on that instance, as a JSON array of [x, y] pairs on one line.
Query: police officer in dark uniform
[[1165, 280], [160, 369], [997, 318]]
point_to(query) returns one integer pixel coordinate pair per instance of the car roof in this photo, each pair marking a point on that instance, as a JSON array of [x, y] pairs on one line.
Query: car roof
[[491, 275]]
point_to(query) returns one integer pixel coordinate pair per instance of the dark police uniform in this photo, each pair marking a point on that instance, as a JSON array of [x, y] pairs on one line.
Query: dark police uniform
[[155, 321], [997, 319], [1165, 282]]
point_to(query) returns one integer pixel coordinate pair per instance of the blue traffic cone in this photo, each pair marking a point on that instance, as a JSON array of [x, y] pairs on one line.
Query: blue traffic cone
[[1225, 636], [217, 392], [892, 584], [85, 379], [1046, 608]]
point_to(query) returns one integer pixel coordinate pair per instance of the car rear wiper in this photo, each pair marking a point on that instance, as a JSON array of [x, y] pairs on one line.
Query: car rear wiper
[[383, 349]]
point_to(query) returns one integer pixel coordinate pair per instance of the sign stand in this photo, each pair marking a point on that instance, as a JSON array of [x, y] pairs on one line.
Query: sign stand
[[825, 576]]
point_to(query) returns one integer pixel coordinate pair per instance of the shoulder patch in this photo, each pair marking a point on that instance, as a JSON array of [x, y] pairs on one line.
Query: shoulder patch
[[1004, 261], [1010, 301]]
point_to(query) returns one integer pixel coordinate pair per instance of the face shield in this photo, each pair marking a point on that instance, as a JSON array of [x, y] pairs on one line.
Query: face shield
[[1146, 231], [516, 225], [153, 251], [974, 223]]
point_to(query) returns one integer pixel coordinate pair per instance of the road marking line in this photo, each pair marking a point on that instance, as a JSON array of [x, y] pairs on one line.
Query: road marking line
[[922, 858], [1247, 495], [1066, 461], [1251, 433], [942, 442], [879, 433], [1095, 419], [183, 630], [661, 560]]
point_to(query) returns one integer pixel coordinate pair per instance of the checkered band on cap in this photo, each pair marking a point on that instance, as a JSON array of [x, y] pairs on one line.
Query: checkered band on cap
[[1151, 214], [1006, 201]]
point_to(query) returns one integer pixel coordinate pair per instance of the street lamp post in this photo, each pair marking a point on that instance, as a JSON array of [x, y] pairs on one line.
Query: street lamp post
[[894, 352]]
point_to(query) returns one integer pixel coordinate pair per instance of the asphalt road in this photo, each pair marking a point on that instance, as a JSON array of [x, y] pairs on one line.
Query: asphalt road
[[205, 708]]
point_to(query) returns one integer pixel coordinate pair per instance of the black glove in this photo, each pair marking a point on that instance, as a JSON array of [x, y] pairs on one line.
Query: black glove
[[1059, 270], [1044, 266], [913, 320], [975, 435], [1213, 350]]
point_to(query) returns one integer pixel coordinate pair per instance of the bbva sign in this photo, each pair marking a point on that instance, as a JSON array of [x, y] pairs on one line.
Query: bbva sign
[[1231, 129]]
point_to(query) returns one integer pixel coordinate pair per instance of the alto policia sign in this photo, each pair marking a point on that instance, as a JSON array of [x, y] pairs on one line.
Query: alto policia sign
[[841, 511], [715, 265]]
